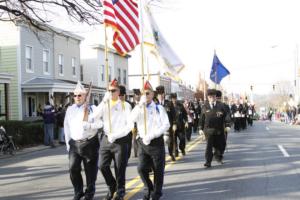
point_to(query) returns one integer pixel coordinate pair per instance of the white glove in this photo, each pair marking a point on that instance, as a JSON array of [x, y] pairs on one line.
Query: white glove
[[201, 132], [146, 140], [174, 127], [166, 139], [106, 97], [86, 125], [143, 100], [227, 129], [111, 138]]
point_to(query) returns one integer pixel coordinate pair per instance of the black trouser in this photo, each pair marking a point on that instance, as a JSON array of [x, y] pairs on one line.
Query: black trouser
[[152, 156], [189, 131], [237, 123], [180, 133], [118, 152], [88, 152], [213, 141], [195, 125], [129, 144], [222, 143], [171, 144]]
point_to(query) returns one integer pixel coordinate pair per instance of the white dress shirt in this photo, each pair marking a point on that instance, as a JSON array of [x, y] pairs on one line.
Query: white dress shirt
[[74, 126], [120, 113], [157, 121]]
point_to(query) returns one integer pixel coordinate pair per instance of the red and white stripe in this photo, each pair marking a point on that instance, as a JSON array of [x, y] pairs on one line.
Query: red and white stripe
[[123, 16]]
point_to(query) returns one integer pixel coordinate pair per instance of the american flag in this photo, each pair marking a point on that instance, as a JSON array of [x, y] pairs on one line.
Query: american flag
[[123, 16]]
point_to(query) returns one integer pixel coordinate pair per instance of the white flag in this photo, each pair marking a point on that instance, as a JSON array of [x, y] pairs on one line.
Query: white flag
[[171, 63]]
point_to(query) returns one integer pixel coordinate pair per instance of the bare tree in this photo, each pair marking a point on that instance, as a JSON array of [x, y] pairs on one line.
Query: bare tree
[[38, 13]]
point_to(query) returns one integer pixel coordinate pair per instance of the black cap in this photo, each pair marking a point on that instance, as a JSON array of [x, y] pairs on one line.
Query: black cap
[[173, 95], [160, 89], [136, 91], [211, 92], [218, 93], [122, 90]]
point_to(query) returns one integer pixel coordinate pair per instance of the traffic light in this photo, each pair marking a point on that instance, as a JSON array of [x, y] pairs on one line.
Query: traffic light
[[251, 87], [273, 87]]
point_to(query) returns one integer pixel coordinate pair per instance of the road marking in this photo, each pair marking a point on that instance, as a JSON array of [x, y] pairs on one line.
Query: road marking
[[283, 151], [136, 189]]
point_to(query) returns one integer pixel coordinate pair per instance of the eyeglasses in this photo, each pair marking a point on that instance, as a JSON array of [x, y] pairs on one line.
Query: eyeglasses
[[147, 93], [112, 91], [77, 95]]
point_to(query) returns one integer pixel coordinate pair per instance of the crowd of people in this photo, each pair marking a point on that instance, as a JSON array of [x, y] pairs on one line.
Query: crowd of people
[[97, 136]]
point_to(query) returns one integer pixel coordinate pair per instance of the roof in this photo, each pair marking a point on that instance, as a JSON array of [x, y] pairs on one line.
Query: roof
[[41, 84], [101, 46]]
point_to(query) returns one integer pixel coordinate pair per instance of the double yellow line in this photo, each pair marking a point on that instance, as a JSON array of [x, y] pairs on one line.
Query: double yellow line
[[137, 179]]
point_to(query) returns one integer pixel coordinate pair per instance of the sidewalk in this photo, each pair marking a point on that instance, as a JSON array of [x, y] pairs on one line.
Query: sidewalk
[[27, 150]]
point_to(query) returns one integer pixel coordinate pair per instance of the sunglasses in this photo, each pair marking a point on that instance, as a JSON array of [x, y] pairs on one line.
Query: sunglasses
[[112, 91], [77, 95]]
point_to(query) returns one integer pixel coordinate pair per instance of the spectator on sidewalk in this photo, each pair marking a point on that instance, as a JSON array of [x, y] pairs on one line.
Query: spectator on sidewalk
[[60, 117], [49, 119]]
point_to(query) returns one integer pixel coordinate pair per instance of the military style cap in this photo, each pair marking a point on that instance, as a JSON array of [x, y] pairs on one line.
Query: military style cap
[[137, 91], [79, 88], [160, 89], [114, 83], [122, 90], [148, 86], [173, 95], [218, 93], [211, 92]]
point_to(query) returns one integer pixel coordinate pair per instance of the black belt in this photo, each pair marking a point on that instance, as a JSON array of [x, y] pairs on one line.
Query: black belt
[[86, 139]]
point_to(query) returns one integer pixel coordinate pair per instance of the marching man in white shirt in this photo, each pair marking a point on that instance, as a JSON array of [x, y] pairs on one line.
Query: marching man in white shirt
[[82, 144], [151, 149], [114, 144]]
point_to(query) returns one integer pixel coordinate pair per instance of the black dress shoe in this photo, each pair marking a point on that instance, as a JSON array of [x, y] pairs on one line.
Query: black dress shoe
[[207, 165], [78, 196], [88, 197], [109, 195]]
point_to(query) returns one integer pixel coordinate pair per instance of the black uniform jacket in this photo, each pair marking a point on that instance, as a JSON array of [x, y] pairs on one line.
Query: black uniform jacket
[[214, 120]]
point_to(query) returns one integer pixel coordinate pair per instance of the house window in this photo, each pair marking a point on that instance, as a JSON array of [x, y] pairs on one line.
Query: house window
[[61, 64], [109, 74], [119, 75], [124, 77], [28, 55], [46, 61], [73, 67], [81, 73], [102, 72]]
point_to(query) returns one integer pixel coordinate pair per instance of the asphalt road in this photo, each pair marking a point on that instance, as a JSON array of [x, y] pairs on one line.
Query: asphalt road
[[261, 162]]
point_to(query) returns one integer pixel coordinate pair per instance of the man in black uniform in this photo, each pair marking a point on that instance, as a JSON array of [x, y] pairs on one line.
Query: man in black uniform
[[160, 90], [212, 121], [179, 121], [223, 137]]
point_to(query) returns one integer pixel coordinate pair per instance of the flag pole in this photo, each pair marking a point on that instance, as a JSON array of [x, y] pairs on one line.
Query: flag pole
[[204, 88], [142, 59], [215, 70], [107, 76]]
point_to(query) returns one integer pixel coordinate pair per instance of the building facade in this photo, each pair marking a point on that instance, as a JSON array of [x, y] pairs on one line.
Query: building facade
[[45, 67]]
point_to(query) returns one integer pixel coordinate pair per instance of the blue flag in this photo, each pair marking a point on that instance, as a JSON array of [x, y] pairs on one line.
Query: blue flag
[[218, 70]]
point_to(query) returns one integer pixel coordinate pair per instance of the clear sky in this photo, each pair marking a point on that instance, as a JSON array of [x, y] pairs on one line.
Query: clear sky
[[255, 39]]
